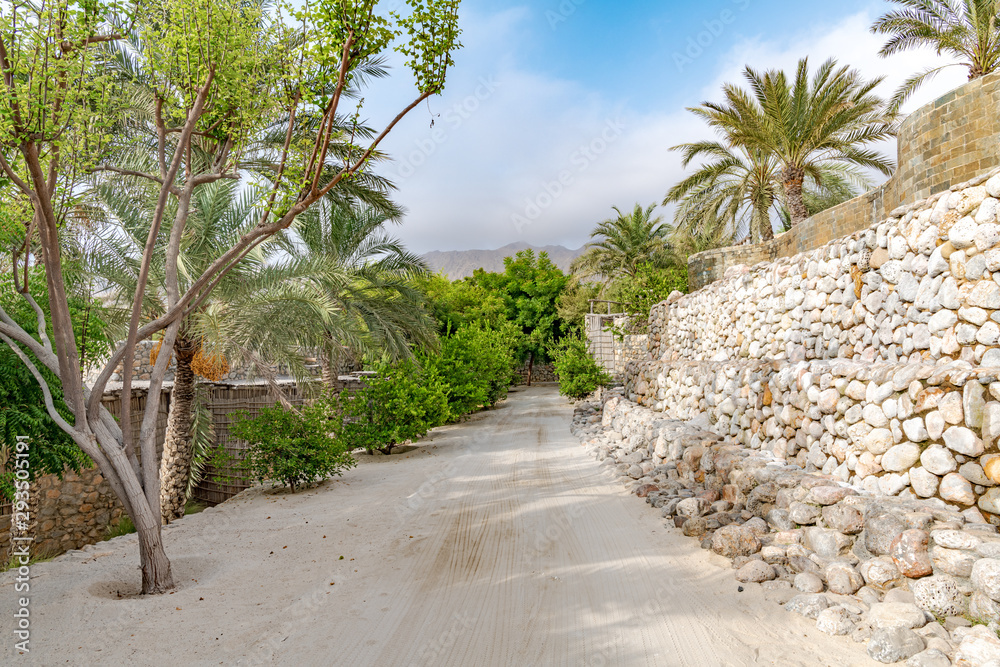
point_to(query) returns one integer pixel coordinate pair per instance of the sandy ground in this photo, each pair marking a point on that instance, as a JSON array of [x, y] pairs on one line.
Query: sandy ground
[[496, 542]]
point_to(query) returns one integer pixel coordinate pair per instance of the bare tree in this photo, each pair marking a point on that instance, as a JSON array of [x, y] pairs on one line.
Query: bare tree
[[224, 72]]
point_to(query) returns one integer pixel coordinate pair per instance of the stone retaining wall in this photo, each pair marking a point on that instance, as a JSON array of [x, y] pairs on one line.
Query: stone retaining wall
[[945, 142], [874, 358], [539, 373], [916, 579]]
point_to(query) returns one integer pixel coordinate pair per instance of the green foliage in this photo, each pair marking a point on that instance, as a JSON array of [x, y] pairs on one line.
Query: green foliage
[[966, 30], [625, 241], [579, 375], [573, 303], [477, 365], [455, 304], [648, 287], [22, 405], [292, 447], [123, 526], [401, 403], [529, 287]]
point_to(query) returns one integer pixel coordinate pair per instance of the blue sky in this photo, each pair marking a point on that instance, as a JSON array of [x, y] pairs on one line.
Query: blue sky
[[558, 110]]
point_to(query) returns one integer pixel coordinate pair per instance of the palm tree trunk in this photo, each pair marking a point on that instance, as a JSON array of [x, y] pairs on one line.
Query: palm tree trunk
[[175, 466], [792, 179], [329, 366]]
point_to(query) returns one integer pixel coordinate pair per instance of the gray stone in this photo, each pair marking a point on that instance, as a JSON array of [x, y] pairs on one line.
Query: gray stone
[[808, 582], [901, 457], [890, 645], [803, 514], [952, 561], [938, 460], [963, 441], [956, 489], [880, 573], [835, 621], [929, 658], [842, 578], [731, 541], [986, 577], [896, 615], [826, 543], [981, 650], [808, 605], [939, 594], [844, 519], [941, 320], [881, 528], [924, 483], [756, 571]]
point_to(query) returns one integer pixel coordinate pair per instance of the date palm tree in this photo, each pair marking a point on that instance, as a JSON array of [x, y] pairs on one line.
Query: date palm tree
[[735, 196], [805, 124], [966, 30], [624, 242], [270, 309], [730, 198]]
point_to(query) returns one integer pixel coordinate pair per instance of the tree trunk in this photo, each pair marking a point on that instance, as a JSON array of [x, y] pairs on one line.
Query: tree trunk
[[329, 366], [178, 448], [792, 179], [531, 365], [117, 469]]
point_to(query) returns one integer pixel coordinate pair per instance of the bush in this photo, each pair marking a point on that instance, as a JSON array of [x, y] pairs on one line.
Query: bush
[[476, 365], [401, 403], [292, 447], [648, 287], [579, 375]]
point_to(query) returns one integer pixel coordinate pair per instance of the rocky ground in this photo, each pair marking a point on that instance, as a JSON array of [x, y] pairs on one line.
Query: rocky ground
[[917, 580]]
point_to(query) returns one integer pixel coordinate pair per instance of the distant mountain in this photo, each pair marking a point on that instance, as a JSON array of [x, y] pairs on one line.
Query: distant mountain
[[461, 263]]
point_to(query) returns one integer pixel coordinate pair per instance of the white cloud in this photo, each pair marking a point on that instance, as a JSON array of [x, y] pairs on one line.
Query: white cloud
[[508, 157]]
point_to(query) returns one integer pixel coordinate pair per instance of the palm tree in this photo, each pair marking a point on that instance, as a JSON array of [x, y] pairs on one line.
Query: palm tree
[[624, 242], [736, 196], [729, 199], [806, 125], [267, 311], [377, 309], [968, 30]]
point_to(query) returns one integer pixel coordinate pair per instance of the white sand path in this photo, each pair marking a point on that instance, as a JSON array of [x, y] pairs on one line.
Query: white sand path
[[496, 542]]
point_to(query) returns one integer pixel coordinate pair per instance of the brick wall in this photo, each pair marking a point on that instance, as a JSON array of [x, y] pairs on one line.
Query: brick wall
[[943, 143]]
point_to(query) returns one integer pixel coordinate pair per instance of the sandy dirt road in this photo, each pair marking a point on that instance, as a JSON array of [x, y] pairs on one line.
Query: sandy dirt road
[[496, 542]]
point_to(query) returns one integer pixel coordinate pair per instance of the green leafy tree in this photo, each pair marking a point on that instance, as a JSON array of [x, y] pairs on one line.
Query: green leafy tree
[[455, 304], [579, 375], [809, 126], [402, 402], [530, 287], [226, 72], [476, 365], [639, 293], [293, 447], [573, 303], [967, 30]]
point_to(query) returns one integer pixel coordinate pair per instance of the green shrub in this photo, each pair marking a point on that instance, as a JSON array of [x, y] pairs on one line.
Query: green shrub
[[579, 375], [401, 403], [476, 365], [292, 447]]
